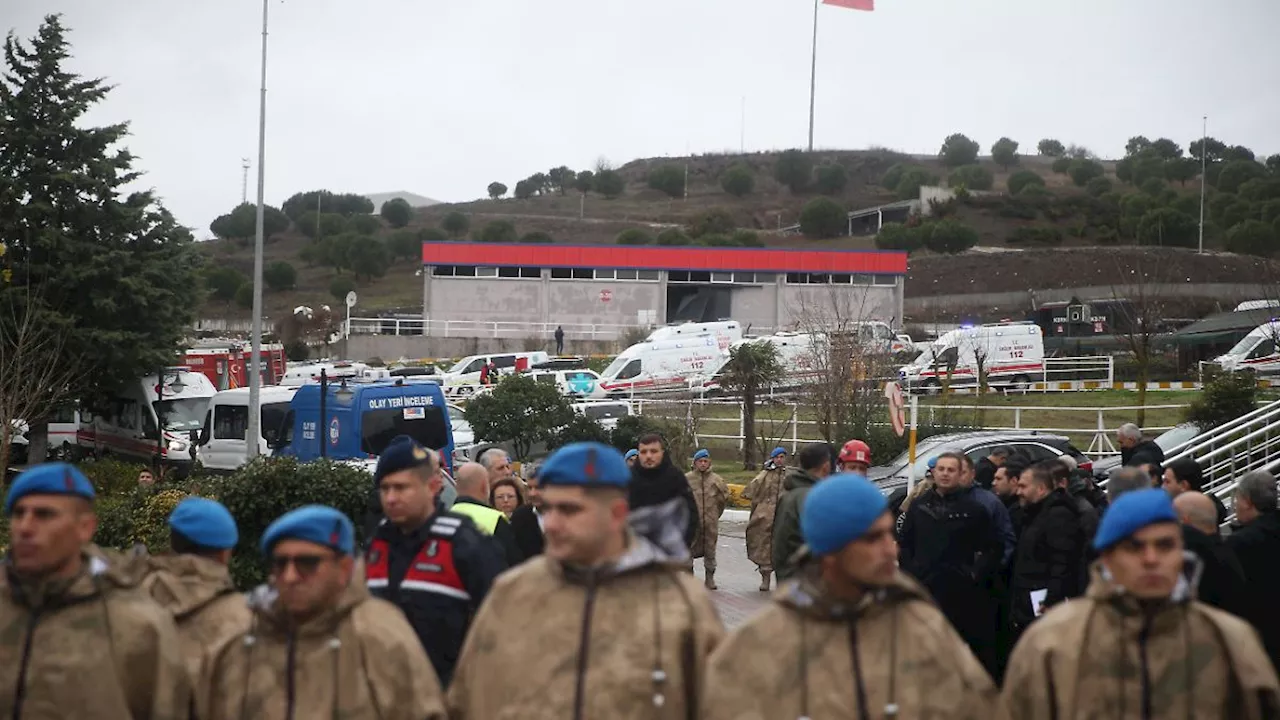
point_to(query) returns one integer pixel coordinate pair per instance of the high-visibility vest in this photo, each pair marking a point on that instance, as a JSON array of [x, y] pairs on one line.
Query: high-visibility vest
[[485, 517]]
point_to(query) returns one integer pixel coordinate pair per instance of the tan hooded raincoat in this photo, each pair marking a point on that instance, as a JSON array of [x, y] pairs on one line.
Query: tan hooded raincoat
[[808, 656], [711, 494], [359, 660], [203, 601], [555, 643], [763, 491], [1105, 656], [94, 646]]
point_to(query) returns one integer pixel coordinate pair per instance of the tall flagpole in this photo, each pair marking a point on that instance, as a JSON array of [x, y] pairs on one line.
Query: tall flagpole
[[255, 361], [813, 72]]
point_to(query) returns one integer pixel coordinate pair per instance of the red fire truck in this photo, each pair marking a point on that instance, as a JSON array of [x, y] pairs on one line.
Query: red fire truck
[[226, 362]]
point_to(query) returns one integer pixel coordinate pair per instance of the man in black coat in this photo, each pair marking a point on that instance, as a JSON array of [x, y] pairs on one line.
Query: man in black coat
[[1046, 566], [1183, 476], [1257, 545], [951, 543], [526, 522], [1222, 582], [656, 481], [1135, 450], [984, 472]]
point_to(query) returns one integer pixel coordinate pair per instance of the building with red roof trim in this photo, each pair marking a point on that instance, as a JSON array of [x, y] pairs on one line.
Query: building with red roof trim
[[598, 292]]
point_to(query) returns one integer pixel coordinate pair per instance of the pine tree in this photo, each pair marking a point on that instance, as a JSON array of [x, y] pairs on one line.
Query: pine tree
[[110, 264]]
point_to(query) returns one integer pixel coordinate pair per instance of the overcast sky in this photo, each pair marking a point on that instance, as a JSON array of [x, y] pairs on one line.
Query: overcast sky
[[440, 97]]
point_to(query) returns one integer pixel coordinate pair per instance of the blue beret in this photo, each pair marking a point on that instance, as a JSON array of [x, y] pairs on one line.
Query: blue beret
[[1132, 512], [48, 479], [319, 524], [776, 452], [933, 463], [402, 453], [205, 522], [839, 510], [588, 464], [631, 453], [703, 453]]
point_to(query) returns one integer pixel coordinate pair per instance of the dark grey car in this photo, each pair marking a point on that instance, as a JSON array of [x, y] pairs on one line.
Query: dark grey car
[[1031, 446]]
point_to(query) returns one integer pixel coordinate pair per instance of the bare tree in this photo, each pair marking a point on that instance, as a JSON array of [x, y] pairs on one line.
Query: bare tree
[[36, 372], [1140, 318], [847, 361]]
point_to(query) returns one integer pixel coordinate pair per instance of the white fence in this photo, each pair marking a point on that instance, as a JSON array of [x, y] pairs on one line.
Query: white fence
[[695, 414], [484, 328]]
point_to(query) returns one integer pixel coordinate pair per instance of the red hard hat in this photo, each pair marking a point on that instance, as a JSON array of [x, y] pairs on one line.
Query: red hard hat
[[855, 451]]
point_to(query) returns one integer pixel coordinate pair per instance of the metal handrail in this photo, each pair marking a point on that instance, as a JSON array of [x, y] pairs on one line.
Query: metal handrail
[[1209, 437]]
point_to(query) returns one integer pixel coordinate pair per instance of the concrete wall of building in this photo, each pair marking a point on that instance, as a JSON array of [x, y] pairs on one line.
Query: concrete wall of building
[[755, 305], [823, 304], [579, 301], [394, 347]]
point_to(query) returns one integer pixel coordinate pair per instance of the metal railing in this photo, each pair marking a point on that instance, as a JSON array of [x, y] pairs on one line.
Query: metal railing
[[485, 328], [1227, 452], [688, 412]]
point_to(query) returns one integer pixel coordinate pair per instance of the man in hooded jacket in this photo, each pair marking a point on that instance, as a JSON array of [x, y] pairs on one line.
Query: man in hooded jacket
[[193, 583], [656, 481], [605, 623], [851, 636], [318, 645], [710, 494], [80, 639], [815, 464], [1139, 644]]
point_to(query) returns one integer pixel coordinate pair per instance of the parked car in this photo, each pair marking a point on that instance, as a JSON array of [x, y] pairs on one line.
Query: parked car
[[1171, 441], [1031, 446]]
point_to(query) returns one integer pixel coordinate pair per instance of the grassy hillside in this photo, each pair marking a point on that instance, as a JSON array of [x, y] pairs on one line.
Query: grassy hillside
[[1060, 215]]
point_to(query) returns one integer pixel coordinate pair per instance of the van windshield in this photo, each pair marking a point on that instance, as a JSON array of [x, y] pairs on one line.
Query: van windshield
[[931, 353], [427, 425], [1245, 345], [614, 367], [183, 414]]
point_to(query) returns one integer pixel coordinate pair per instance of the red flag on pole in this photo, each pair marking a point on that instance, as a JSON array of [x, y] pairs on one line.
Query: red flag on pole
[[867, 5]]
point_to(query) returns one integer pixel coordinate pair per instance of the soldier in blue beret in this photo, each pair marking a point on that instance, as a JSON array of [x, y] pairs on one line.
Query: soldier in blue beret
[[91, 649], [192, 582], [318, 644], [1140, 622], [607, 605]]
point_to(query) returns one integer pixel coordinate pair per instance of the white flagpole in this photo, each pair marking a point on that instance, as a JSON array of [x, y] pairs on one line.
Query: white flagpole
[[813, 72]]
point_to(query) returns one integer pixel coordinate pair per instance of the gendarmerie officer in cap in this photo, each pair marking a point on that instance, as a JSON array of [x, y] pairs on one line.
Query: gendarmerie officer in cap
[[605, 623], [436, 566]]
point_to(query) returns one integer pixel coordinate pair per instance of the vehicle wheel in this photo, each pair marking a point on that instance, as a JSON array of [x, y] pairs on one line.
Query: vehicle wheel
[[931, 387], [1021, 383]]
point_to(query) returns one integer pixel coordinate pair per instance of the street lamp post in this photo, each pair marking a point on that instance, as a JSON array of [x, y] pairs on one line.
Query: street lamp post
[[1204, 135], [255, 361]]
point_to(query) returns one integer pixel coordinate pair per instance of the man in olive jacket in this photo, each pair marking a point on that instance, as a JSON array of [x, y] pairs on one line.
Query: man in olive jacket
[[815, 464], [78, 639]]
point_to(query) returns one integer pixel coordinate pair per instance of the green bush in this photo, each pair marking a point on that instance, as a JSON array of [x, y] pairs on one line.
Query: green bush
[[738, 180], [668, 179], [633, 236], [831, 179], [672, 236], [823, 217], [712, 221], [267, 488], [1021, 179], [1225, 397], [896, 236], [972, 177], [746, 238], [1046, 236], [111, 476]]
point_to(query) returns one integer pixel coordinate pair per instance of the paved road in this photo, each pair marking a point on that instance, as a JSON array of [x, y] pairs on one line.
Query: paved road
[[739, 595]]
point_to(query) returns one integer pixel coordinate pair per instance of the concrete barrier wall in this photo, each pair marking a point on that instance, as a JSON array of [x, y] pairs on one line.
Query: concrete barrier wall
[[1223, 291], [394, 347]]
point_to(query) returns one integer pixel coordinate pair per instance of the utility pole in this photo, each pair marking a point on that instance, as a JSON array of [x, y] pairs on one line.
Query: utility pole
[[255, 362], [1204, 155], [244, 181], [813, 72], [742, 128]]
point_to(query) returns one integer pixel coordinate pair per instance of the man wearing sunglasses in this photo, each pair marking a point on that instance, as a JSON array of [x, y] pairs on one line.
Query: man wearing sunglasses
[[436, 566], [615, 625], [318, 645], [79, 639]]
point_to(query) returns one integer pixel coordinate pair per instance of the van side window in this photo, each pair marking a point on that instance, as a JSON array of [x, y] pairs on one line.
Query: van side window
[[230, 422], [474, 366], [504, 361], [546, 378], [631, 370]]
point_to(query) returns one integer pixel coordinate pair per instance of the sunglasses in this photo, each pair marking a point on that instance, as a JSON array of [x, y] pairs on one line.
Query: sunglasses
[[306, 565]]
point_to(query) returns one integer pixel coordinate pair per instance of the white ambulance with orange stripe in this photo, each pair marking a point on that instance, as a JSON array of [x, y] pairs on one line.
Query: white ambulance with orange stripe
[[1010, 354], [663, 365], [153, 419]]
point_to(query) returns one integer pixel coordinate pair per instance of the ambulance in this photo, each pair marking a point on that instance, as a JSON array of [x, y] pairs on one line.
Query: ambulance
[[153, 419], [1011, 355], [1257, 352], [663, 365], [726, 332]]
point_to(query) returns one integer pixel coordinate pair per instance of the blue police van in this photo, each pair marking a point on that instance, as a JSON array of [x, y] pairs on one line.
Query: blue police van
[[355, 421]]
